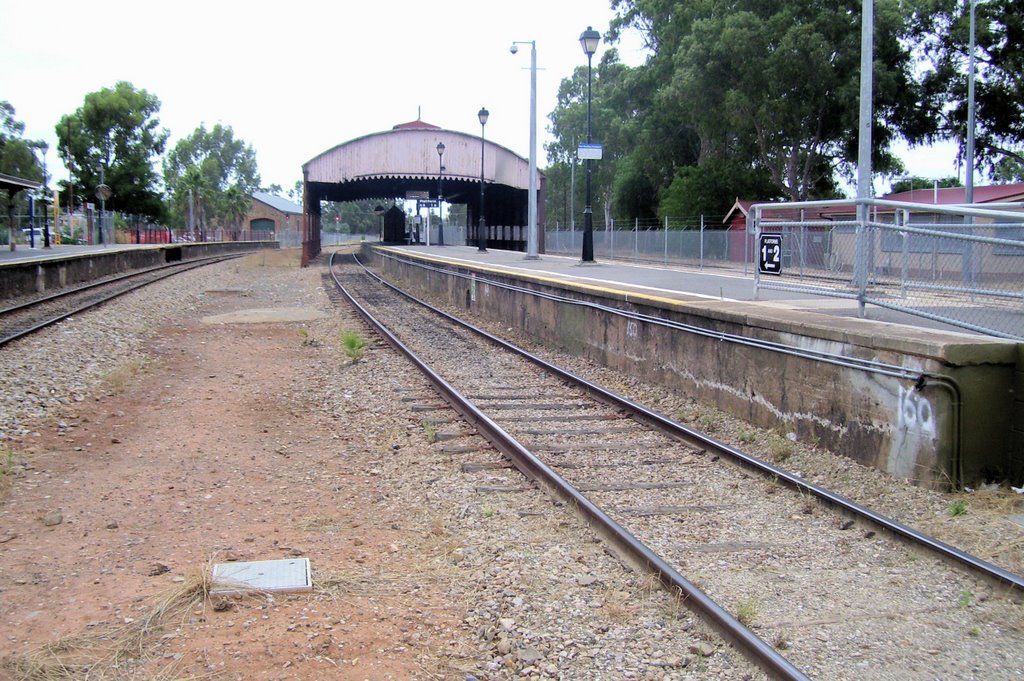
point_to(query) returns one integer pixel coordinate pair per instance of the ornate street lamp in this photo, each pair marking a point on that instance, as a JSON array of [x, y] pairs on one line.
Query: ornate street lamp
[[481, 236], [589, 40], [440, 175], [532, 234]]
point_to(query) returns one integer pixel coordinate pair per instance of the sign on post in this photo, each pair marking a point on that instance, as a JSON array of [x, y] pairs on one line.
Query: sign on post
[[769, 253], [591, 152]]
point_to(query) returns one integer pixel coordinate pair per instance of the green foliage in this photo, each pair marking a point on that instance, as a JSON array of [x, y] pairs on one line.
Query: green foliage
[[17, 155], [7, 464], [957, 508], [711, 188], [739, 99], [430, 431], [746, 436], [999, 88], [352, 344], [614, 124], [907, 184], [966, 599], [780, 448], [746, 611], [219, 171], [351, 217], [116, 135]]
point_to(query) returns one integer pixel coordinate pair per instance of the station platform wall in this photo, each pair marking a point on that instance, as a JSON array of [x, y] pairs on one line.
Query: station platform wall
[[960, 424], [55, 271]]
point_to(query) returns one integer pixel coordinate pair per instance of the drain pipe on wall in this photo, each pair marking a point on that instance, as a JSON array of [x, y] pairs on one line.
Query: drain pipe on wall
[[956, 404]]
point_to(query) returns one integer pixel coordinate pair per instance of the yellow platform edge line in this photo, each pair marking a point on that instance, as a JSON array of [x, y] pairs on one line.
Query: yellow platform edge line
[[625, 295]]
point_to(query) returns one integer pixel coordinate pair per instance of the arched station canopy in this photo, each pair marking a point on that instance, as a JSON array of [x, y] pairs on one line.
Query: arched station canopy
[[404, 162]]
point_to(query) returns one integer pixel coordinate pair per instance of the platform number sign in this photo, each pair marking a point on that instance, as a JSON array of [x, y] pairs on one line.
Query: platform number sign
[[769, 254]]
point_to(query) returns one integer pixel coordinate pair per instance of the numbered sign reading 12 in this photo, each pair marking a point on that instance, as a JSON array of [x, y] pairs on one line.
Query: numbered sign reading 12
[[769, 253]]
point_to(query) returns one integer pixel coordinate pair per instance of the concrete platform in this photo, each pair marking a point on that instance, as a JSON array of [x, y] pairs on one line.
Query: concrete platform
[[27, 271], [933, 405]]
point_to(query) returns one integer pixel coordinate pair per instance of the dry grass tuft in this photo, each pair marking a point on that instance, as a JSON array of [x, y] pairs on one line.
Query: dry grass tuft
[[116, 652], [119, 379]]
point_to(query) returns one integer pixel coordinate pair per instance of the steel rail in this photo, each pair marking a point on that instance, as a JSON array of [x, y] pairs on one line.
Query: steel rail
[[679, 430], [629, 547], [175, 268]]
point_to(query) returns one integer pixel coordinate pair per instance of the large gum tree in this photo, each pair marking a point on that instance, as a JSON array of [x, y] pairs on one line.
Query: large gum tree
[[774, 86], [116, 135]]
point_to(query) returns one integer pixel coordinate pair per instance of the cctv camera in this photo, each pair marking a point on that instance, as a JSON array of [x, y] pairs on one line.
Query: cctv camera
[[513, 49]]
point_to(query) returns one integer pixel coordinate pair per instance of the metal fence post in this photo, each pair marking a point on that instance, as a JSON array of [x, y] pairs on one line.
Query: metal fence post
[[860, 258], [902, 217], [753, 226], [803, 241], [666, 240], [702, 241], [746, 239]]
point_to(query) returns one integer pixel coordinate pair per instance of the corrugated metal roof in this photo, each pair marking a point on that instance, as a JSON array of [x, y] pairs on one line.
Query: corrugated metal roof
[[993, 193], [17, 183], [277, 203], [412, 153]]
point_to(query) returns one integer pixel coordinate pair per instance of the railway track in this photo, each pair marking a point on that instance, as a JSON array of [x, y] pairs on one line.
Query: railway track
[[28, 316], [804, 582]]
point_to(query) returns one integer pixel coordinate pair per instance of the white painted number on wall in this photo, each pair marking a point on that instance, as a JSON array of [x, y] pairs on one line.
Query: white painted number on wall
[[916, 413], [632, 329]]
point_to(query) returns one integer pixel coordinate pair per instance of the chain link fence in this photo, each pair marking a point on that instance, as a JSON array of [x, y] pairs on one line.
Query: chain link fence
[[959, 265], [699, 242]]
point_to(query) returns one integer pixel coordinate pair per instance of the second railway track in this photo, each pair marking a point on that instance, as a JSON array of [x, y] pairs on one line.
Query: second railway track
[[820, 595], [28, 316]]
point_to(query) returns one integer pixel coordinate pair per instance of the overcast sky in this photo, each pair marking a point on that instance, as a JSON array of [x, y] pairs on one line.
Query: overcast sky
[[295, 79]]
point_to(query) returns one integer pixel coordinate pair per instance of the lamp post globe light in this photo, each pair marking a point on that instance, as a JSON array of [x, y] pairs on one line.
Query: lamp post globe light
[[481, 236], [440, 194], [532, 234], [589, 40]]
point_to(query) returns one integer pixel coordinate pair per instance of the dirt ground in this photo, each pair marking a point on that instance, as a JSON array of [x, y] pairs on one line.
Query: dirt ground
[[212, 451]]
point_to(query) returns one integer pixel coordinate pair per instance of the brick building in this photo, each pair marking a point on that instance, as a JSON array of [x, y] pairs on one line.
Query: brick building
[[274, 217]]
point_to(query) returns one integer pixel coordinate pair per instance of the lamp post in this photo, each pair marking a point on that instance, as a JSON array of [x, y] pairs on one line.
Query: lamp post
[[440, 176], [103, 192], [379, 210], [481, 236], [532, 234], [589, 40]]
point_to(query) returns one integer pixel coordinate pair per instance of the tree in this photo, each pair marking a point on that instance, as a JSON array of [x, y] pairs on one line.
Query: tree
[[222, 162], [906, 184], [712, 187], [775, 86], [999, 87], [296, 192], [116, 134], [236, 205], [350, 217], [613, 126], [191, 196], [17, 156]]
